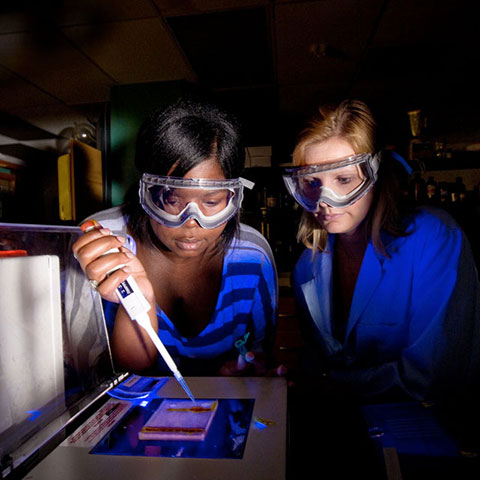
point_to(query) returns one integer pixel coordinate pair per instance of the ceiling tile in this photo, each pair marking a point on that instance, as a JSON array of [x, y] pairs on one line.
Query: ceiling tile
[[14, 21], [296, 52], [17, 93], [189, 7], [343, 27], [424, 59], [50, 62], [428, 21], [75, 12], [36, 15], [227, 49], [133, 51]]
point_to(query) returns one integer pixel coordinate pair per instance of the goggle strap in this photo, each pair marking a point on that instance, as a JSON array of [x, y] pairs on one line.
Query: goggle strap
[[246, 183]]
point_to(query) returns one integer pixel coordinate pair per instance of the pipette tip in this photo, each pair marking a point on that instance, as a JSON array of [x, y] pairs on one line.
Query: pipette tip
[[184, 385]]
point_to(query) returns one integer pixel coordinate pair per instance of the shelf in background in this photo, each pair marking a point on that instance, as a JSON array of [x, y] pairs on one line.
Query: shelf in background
[[460, 160]]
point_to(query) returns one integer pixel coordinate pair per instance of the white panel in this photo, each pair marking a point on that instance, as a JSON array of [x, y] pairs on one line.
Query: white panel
[[31, 351]]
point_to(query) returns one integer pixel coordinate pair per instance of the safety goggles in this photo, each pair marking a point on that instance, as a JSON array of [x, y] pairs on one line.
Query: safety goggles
[[338, 184], [171, 201]]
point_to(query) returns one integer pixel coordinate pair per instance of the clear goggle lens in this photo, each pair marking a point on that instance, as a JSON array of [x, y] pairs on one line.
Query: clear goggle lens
[[175, 200], [338, 184]]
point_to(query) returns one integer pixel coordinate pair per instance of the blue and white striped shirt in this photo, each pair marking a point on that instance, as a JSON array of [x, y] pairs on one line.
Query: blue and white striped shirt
[[247, 303]]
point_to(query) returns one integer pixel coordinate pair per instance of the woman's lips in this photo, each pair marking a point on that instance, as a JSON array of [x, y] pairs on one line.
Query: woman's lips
[[328, 217], [188, 243]]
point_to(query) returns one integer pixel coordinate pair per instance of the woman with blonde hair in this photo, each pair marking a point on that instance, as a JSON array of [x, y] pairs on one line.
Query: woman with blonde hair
[[388, 297]]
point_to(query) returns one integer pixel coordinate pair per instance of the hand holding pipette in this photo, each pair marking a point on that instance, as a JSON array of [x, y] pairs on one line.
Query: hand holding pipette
[[135, 304], [107, 262]]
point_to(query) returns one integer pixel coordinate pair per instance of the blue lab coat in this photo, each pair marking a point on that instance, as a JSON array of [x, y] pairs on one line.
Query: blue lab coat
[[413, 326]]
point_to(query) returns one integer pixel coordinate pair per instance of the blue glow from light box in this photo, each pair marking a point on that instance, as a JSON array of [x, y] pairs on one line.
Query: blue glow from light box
[[226, 437]]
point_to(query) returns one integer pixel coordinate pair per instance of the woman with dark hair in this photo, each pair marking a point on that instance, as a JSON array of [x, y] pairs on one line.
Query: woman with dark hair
[[210, 280], [388, 297]]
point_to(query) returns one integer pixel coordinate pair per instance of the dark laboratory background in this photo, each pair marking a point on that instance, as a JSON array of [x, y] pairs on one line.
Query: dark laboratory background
[[77, 78], [92, 70]]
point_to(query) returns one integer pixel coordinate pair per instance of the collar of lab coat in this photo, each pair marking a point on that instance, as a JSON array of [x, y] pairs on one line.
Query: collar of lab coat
[[318, 291]]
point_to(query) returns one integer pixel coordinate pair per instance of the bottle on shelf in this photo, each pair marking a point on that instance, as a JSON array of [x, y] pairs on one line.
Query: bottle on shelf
[[458, 191], [443, 193], [461, 190], [418, 189], [265, 223], [272, 200], [432, 193], [454, 194]]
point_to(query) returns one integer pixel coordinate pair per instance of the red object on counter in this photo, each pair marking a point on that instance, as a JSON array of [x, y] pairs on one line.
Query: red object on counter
[[13, 253]]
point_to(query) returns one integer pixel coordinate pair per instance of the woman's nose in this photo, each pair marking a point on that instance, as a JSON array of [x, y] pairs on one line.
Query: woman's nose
[[191, 223]]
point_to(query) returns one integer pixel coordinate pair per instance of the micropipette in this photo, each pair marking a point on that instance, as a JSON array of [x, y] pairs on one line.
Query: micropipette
[[137, 306], [144, 321]]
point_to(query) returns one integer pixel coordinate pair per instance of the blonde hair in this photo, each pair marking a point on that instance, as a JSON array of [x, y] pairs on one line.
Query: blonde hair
[[353, 122]]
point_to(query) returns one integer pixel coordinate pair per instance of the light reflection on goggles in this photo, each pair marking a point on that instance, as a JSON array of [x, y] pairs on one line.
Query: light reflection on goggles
[[338, 184], [171, 201]]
